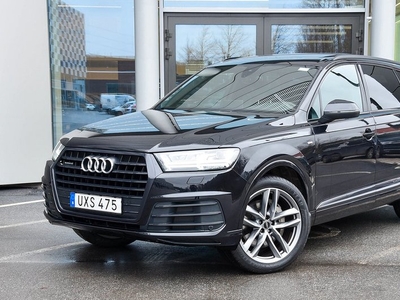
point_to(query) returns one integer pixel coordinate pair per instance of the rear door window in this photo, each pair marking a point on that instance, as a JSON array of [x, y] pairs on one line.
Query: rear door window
[[383, 87]]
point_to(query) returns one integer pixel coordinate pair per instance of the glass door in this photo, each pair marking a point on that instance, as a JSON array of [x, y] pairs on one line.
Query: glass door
[[193, 41]]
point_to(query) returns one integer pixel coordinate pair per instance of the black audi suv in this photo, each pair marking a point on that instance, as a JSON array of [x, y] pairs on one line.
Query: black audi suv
[[245, 156]]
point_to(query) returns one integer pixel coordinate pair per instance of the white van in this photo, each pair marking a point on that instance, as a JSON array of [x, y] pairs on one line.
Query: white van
[[109, 101]]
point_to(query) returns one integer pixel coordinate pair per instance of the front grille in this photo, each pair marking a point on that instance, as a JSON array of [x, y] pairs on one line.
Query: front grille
[[127, 180], [186, 216]]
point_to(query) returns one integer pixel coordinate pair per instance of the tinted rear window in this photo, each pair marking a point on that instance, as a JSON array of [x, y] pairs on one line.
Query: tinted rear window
[[383, 86]]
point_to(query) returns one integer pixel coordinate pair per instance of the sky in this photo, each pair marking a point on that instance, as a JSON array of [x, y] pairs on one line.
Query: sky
[[109, 26]]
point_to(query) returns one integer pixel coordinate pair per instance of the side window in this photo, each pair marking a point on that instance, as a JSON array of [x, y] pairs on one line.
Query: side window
[[383, 87], [340, 83], [396, 93]]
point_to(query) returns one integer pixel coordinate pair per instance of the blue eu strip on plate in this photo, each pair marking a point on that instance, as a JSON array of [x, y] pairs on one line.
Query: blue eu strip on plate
[[72, 199]]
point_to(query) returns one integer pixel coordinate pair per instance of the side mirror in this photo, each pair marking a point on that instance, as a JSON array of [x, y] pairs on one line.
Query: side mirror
[[339, 109]]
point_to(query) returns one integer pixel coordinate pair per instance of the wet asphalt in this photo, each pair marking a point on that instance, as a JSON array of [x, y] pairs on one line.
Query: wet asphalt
[[357, 257]]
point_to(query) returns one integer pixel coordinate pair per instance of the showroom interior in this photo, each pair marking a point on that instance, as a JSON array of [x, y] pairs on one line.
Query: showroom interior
[[61, 58]]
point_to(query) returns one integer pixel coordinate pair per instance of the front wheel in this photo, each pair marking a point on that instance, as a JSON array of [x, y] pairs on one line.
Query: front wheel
[[103, 240], [275, 228]]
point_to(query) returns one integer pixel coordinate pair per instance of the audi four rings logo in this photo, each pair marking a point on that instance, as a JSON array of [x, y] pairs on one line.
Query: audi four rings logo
[[97, 164]]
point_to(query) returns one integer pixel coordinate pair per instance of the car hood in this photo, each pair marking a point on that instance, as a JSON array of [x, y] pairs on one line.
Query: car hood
[[154, 130]]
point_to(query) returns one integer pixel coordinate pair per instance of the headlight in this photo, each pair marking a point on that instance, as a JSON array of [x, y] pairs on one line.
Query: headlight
[[197, 160], [57, 150]]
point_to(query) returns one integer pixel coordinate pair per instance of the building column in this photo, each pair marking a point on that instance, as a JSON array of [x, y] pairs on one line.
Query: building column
[[383, 14], [146, 53]]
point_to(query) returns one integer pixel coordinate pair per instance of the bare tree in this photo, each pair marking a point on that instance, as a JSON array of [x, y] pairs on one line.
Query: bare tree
[[210, 46], [321, 3], [330, 3], [327, 38], [232, 42], [199, 50], [204, 47], [282, 36], [187, 53]]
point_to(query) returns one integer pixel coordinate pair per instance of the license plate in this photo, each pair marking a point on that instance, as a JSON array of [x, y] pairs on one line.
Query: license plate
[[97, 203]]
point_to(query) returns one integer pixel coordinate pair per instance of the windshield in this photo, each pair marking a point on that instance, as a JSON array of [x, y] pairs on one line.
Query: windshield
[[259, 87]]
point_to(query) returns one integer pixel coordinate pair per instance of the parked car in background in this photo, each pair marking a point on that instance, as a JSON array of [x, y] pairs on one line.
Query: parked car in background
[[131, 107], [109, 101], [90, 106], [245, 156], [126, 108]]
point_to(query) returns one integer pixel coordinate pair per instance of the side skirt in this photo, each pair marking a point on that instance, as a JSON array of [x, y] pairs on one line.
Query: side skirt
[[357, 202]]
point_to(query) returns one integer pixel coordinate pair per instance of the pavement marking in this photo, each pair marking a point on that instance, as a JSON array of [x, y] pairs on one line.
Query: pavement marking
[[21, 203], [39, 251], [23, 224]]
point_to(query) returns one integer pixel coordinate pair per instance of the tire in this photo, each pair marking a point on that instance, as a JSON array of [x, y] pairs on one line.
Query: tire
[[370, 153], [276, 226], [103, 240], [396, 206]]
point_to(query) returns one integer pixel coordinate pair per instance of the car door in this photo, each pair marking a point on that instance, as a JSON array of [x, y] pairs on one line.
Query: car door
[[345, 162], [383, 88]]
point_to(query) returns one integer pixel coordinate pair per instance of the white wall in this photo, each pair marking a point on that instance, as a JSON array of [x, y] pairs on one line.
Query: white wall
[[25, 103], [147, 63]]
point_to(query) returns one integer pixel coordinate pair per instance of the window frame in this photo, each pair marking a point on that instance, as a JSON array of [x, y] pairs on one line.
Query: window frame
[[365, 104], [396, 73]]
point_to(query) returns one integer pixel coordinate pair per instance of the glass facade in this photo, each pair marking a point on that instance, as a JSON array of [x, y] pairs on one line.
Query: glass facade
[[92, 60], [93, 54], [269, 4]]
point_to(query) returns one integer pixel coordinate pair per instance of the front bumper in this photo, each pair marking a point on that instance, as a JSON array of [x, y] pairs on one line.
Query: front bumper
[[205, 209]]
